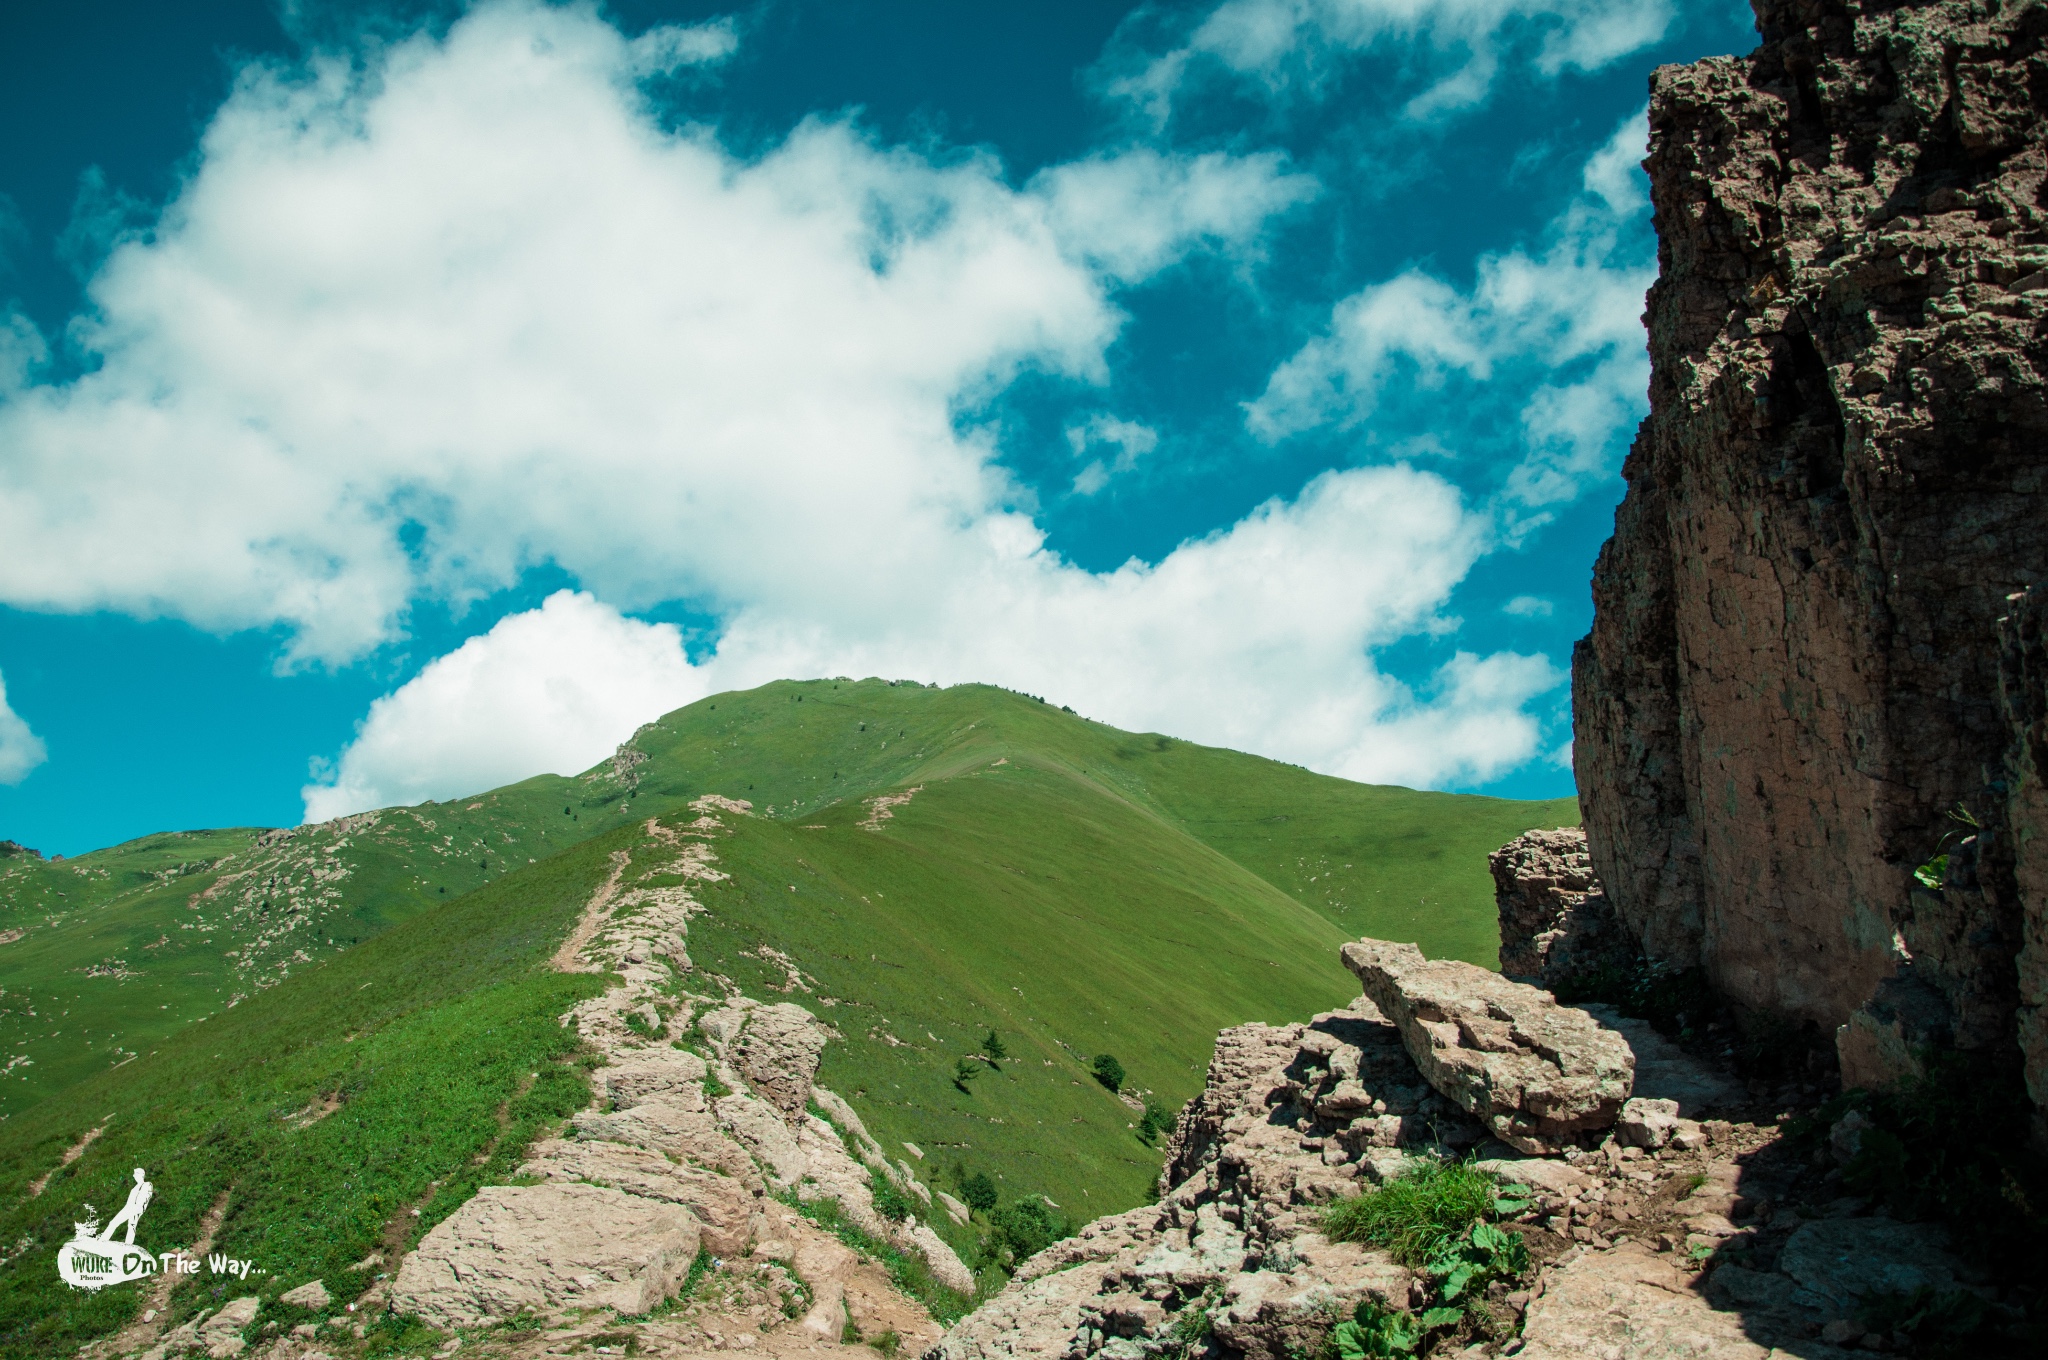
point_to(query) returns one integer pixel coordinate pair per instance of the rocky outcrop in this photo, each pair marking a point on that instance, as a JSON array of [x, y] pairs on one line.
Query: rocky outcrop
[[1537, 1074], [543, 1248], [1793, 676], [1291, 1117], [2023, 686], [701, 1111], [1555, 922]]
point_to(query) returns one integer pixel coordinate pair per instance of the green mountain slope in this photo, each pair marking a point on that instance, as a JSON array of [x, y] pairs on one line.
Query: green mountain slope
[[122, 947], [1076, 889]]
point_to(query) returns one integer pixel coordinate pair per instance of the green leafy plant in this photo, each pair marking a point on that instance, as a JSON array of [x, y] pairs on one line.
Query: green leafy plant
[[1934, 873], [1108, 1071], [1465, 1267], [965, 1071], [1377, 1332], [1435, 1217], [890, 1201], [992, 1048], [1419, 1214]]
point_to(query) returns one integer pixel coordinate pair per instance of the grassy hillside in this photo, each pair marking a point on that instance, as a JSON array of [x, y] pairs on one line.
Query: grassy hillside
[[104, 955], [122, 947], [1077, 889]]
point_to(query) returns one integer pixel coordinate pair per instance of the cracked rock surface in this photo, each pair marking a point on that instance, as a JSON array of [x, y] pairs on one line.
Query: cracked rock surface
[[1540, 1076], [1793, 674]]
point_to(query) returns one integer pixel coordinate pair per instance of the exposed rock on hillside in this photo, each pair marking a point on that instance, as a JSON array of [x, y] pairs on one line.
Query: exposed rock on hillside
[[683, 1146], [1537, 1074], [1555, 922], [1291, 1117], [1792, 678], [1713, 1240], [541, 1248]]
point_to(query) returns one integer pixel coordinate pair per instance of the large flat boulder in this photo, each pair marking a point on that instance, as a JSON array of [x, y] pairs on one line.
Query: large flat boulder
[[544, 1248], [724, 1206], [1539, 1075]]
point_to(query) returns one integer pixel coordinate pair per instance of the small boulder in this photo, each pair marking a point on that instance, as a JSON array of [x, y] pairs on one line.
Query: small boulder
[[1647, 1124], [778, 1052], [946, 1266], [312, 1296], [221, 1334], [1536, 1073]]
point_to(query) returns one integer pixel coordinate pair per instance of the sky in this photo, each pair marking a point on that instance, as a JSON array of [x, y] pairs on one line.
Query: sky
[[399, 400]]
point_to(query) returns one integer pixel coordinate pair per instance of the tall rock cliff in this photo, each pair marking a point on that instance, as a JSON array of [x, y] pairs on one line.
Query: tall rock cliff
[[1791, 696]]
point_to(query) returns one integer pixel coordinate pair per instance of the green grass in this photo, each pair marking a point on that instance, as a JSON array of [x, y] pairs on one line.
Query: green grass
[[1075, 889], [1417, 1215], [1437, 1217], [432, 1033]]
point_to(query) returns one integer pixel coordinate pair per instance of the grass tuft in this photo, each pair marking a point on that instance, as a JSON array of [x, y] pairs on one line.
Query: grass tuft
[[1419, 1213]]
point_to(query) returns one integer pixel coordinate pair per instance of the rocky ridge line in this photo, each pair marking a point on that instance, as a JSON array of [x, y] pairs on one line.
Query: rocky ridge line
[[682, 1150]]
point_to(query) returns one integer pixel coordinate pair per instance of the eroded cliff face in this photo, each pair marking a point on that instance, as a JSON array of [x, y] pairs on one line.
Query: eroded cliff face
[[1793, 678]]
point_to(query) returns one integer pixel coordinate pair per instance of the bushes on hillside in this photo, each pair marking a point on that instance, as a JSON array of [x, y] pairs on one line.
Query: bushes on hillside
[[978, 1191], [1108, 1071], [1156, 1120], [890, 1201], [1021, 1230]]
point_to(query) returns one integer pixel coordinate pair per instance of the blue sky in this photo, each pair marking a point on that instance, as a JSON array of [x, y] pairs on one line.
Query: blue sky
[[397, 401]]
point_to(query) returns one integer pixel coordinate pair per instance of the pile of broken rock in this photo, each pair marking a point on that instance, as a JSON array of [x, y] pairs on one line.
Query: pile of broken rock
[[1656, 1229]]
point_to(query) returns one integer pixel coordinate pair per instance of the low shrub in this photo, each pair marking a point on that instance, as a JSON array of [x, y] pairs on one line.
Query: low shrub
[[1108, 1071], [1023, 1229], [978, 1191]]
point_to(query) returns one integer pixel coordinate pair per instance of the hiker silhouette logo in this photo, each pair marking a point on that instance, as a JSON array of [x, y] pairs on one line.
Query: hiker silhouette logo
[[95, 1258]]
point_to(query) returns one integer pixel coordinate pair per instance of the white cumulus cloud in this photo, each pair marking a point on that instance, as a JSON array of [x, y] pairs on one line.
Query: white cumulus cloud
[[422, 322], [21, 750], [550, 691], [415, 326]]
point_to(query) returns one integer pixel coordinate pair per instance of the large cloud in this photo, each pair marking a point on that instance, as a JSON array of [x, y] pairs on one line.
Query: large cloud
[[548, 691], [414, 327], [425, 320], [21, 750], [1256, 638]]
